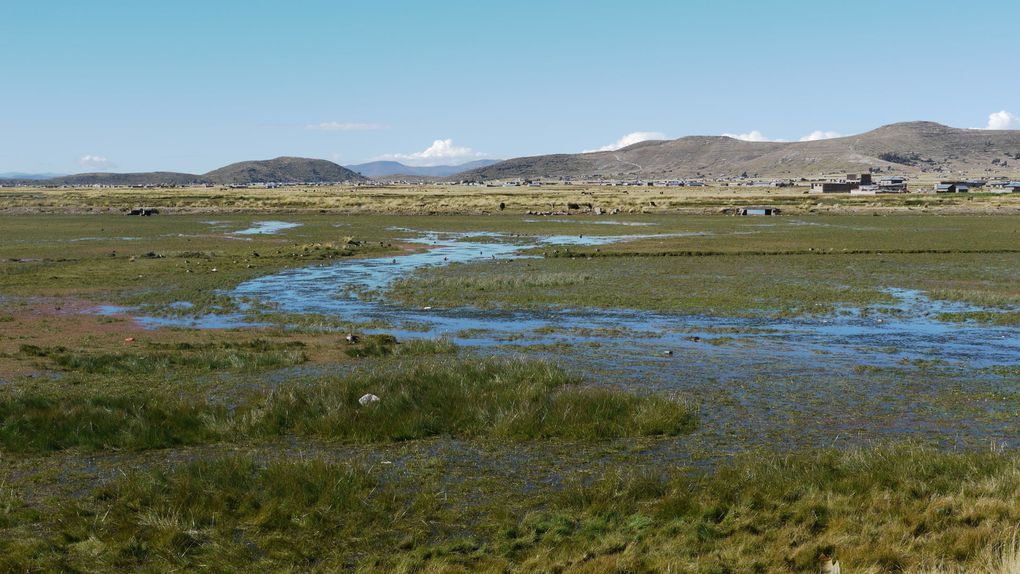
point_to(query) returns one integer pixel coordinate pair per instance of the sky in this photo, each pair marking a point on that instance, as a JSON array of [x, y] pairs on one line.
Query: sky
[[190, 86]]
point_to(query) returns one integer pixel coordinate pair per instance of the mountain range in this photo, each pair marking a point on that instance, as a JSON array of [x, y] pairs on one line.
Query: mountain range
[[909, 148], [23, 175], [279, 170], [395, 168]]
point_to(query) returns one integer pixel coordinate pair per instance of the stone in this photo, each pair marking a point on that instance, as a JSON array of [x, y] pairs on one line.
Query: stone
[[368, 399]]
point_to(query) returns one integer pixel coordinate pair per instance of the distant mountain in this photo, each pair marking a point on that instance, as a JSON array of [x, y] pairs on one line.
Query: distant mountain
[[21, 175], [146, 178], [911, 148], [279, 170], [387, 168], [905, 148], [282, 170]]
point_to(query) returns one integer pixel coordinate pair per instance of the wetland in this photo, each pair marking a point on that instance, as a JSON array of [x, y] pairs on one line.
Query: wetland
[[636, 392]]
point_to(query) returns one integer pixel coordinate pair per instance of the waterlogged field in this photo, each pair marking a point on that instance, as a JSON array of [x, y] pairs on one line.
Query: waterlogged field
[[635, 392]]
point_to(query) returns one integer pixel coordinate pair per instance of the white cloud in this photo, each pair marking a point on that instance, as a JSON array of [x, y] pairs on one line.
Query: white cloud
[[1003, 121], [94, 162], [820, 135], [752, 136], [343, 127], [629, 139], [440, 152]]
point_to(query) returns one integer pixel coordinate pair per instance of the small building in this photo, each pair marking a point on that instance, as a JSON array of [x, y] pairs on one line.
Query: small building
[[951, 187], [894, 184], [832, 187], [764, 210], [869, 189], [758, 211]]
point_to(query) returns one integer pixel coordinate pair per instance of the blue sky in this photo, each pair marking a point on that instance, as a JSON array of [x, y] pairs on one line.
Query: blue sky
[[192, 85]]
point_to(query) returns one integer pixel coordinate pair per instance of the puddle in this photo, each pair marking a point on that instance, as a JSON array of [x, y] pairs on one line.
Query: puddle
[[209, 321], [266, 228], [595, 240], [594, 222]]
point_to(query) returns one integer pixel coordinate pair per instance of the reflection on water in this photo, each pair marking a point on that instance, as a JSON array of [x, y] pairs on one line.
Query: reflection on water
[[887, 370], [266, 228]]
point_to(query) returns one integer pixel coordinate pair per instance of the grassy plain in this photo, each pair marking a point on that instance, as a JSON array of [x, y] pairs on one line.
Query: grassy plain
[[465, 199], [726, 265], [129, 449]]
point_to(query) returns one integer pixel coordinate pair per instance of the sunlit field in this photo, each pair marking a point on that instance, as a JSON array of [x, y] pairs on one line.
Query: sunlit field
[[411, 379]]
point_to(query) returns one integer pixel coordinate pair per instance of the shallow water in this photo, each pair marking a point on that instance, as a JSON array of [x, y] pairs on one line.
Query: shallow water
[[266, 228], [891, 370]]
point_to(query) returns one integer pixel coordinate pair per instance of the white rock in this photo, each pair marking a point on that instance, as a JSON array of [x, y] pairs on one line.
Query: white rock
[[368, 399]]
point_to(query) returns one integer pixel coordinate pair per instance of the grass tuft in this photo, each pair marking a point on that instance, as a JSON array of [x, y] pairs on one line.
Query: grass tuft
[[502, 399]]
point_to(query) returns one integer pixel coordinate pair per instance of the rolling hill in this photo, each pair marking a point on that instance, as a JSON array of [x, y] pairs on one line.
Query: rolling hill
[[142, 178], [393, 168], [279, 170], [911, 148], [23, 175], [906, 148], [282, 170]]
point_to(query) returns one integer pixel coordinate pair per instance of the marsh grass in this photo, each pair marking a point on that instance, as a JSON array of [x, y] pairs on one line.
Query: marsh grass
[[39, 423], [382, 345], [497, 399], [507, 399], [1007, 318], [731, 284], [898, 508], [497, 281], [252, 355], [219, 514]]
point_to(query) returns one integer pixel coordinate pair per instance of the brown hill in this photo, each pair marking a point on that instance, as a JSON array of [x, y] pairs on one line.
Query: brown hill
[[906, 148], [283, 170], [279, 170], [146, 178]]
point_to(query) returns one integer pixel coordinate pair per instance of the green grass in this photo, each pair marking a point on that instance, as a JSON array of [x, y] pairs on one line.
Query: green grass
[[497, 399], [1010, 318], [724, 265], [516, 400], [97, 421], [742, 276], [125, 457], [387, 345], [252, 355], [885, 509]]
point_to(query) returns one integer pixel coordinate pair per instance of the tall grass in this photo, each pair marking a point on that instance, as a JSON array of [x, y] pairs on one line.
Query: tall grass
[[34, 423], [381, 345], [253, 355], [502, 399], [218, 514], [886, 509], [509, 399]]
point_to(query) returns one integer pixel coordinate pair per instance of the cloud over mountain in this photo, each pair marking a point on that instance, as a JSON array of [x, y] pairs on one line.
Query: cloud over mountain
[[441, 151], [629, 139], [1003, 121]]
